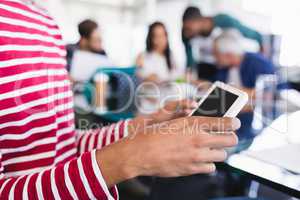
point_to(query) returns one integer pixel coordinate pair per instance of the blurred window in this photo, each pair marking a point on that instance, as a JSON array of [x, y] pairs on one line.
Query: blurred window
[[285, 16]]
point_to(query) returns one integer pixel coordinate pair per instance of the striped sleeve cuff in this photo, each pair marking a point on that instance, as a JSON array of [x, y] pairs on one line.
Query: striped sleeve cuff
[[93, 180], [112, 193]]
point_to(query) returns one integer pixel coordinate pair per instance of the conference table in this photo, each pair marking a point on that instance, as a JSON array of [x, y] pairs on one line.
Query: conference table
[[281, 134]]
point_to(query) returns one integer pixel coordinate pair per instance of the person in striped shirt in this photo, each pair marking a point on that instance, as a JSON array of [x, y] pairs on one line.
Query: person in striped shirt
[[42, 156]]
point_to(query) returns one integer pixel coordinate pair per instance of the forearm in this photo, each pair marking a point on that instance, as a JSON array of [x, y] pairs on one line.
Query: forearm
[[127, 158], [226, 21]]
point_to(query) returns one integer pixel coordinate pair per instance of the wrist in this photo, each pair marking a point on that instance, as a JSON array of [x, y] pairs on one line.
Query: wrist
[[117, 162], [138, 124]]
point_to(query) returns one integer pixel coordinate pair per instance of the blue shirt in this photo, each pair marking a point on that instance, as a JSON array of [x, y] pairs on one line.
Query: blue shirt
[[252, 66]]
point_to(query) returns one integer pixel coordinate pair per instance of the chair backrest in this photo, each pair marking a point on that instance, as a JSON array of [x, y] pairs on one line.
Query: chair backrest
[[109, 70], [122, 81]]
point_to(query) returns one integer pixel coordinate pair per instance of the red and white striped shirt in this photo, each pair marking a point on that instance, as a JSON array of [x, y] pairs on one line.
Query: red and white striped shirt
[[41, 155]]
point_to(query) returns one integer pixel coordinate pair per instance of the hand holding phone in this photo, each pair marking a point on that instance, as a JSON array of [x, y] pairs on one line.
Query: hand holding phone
[[221, 100]]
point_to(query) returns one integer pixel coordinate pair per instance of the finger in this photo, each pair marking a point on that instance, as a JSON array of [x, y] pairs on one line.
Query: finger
[[219, 141], [185, 107], [188, 111], [217, 155], [210, 155], [188, 104], [218, 124], [184, 113], [203, 168]]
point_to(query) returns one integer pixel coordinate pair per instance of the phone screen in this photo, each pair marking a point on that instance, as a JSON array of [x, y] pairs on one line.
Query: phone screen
[[216, 104]]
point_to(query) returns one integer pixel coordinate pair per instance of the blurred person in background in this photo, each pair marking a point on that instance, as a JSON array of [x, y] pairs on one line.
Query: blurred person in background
[[199, 32], [241, 69], [90, 40], [157, 64]]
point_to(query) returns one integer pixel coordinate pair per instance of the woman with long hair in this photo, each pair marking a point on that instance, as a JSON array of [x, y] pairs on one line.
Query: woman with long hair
[[157, 64]]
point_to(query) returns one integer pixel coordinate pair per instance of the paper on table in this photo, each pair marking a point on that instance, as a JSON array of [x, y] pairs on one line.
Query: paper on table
[[286, 156]]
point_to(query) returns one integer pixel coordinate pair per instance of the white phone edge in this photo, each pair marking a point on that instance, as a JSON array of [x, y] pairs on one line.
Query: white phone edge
[[238, 104]]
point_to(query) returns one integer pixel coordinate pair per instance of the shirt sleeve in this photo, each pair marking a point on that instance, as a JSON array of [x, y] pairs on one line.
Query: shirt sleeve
[[98, 138], [227, 21], [80, 178]]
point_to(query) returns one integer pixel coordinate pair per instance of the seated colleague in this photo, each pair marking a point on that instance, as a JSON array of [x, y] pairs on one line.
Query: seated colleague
[[199, 32], [240, 69], [43, 157], [90, 40], [157, 64], [85, 64]]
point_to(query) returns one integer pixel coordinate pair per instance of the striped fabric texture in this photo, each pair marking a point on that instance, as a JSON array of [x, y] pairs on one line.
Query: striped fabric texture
[[41, 154]]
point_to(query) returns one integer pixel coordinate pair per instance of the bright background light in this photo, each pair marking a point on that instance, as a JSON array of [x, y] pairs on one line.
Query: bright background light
[[124, 22], [285, 15]]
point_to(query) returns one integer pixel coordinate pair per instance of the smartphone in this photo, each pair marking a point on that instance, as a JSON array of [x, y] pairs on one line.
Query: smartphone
[[221, 100]]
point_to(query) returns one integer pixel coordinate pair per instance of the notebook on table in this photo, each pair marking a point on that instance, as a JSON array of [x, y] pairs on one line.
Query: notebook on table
[[287, 157]]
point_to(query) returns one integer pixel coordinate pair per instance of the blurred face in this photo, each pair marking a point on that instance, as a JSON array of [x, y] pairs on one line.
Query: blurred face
[[206, 26], [94, 42], [160, 40], [191, 27]]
